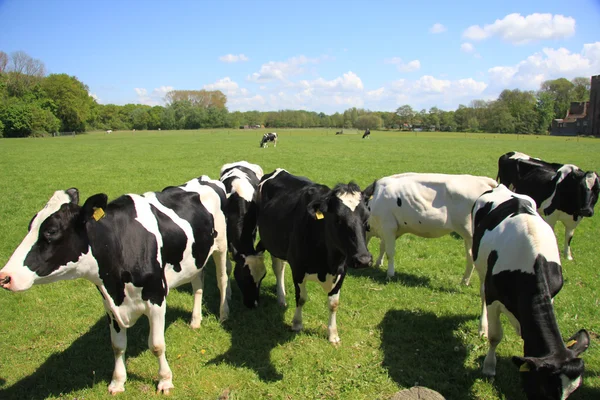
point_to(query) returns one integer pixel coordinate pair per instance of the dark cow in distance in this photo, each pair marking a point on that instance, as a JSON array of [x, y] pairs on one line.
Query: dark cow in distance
[[562, 192], [319, 231], [269, 137], [367, 134], [134, 249], [518, 263], [241, 181]]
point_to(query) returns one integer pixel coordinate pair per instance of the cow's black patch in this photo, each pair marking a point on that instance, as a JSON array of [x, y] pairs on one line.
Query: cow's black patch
[[173, 237], [399, 202]]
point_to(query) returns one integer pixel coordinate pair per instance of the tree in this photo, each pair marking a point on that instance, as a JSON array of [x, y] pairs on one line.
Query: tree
[[368, 121], [545, 112], [3, 61], [500, 119], [581, 89], [521, 105], [405, 114], [73, 102], [201, 98], [560, 90]]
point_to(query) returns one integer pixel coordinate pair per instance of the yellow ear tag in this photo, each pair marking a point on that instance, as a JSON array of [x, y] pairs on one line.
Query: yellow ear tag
[[98, 214], [571, 343], [524, 368], [371, 198], [319, 215]]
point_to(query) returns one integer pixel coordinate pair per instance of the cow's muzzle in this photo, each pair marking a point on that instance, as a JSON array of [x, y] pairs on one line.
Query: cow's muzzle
[[5, 281], [362, 261], [587, 212]]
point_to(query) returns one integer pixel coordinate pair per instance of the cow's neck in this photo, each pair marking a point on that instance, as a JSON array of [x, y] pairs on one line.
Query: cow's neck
[[539, 328]]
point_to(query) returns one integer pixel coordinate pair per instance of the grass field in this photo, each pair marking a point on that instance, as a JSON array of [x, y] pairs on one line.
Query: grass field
[[419, 328]]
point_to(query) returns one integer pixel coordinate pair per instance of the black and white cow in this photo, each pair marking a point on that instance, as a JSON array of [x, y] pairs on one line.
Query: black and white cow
[[241, 181], [269, 137], [518, 263], [319, 231], [367, 134], [134, 249], [426, 205], [562, 192]]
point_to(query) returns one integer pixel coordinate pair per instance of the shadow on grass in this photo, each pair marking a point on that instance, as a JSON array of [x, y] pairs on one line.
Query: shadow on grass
[[380, 276], [420, 348], [87, 362]]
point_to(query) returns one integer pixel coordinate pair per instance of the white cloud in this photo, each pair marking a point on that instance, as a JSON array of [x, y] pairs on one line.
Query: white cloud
[[346, 83], [467, 47], [281, 70], [548, 64], [233, 58], [516, 29], [437, 28], [155, 98], [411, 66], [227, 86]]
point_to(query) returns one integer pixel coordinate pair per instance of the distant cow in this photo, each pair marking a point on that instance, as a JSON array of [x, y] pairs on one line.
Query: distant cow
[[518, 263], [340, 132], [426, 205], [108, 132], [562, 192], [241, 183], [319, 231], [134, 249], [367, 134], [269, 137]]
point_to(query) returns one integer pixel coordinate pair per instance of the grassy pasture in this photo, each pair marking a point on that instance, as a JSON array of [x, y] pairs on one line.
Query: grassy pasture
[[420, 327]]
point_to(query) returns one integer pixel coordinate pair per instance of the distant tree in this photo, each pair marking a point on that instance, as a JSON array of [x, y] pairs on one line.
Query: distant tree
[[368, 121], [522, 107], [3, 61], [581, 89], [406, 114], [500, 119], [24, 72], [545, 112], [448, 122], [201, 98], [560, 90], [72, 99]]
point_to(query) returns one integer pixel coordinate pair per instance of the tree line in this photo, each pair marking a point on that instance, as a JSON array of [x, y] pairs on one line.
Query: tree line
[[34, 103]]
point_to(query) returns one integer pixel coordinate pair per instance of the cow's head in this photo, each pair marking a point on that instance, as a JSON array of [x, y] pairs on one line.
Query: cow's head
[[588, 189], [556, 376], [55, 243], [249, 272], [345, 216]]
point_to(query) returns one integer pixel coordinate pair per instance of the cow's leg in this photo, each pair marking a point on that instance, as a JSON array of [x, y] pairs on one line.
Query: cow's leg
[[301, 297], [334, 302], [569, 231], [483, 321], [494, 337], [118, 338], [379, 262], [279, 271], [156, 344], [229, 269], [220, 258], [469, 263], [388, 239], [198, 288]]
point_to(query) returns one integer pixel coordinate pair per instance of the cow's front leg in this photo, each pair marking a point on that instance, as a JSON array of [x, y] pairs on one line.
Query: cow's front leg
[[334, 302], [301, 297], [279, 271], [569, 231], [198, 288], [118, 338], [220, 258], [389, 245], [156, 344], [494, 337]]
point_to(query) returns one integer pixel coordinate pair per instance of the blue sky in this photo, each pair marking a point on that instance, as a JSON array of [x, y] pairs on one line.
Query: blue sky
[[315, 55]]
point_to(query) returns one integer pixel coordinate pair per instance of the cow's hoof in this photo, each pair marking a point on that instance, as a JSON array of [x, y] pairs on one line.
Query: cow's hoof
[[297, 326], [465, 282], [116, 387], [334, 340], [165, 387], [195, 324], [282, 303]]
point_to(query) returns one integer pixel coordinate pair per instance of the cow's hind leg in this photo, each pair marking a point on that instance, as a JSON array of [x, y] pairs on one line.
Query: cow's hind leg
[[469, 263], [156, 344], [279, 271], [301, 297], [118, 338], [495, 334], [388, 239], [220, 258], [198, 289]]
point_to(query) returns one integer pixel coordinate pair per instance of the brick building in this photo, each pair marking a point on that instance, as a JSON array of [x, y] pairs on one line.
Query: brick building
[[583, 118]]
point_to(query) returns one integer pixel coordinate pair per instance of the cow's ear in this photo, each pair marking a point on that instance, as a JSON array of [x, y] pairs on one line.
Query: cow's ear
[[73, 195], [579, 342], [317, 207], [94, 207], [527, 364]]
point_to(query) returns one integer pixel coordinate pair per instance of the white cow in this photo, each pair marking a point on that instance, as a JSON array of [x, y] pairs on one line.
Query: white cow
[[426, 205]]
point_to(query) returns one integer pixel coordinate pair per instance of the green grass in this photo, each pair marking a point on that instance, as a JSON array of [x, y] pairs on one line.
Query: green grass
[[420, 327]]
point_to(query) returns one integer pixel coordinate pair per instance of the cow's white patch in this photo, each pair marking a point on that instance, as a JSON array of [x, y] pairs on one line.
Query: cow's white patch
[[22, 278], [590, 180], [130, 310], [145, 217], [328, 285], [256, 264], [520, 156], [243, 188], [277, 172], [350, 200], [568, 385], [562, 173], [253, 167]]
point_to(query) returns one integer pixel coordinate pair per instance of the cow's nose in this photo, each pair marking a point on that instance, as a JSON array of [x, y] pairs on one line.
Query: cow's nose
[[363, 260], [5, 280]]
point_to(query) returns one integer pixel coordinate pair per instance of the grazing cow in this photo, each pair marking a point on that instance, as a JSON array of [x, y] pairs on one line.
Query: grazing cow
[[134, 249], [319, 231], [108, 132], [518, 263], [562, 192], [426, 205], [340, 132], [269, 137], [241, 181], [367, 134]]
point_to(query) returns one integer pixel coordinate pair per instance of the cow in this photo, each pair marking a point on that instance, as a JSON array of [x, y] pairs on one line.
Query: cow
[[340, 132], [269, 137], [367, 134], [134, 249], [562, 192], [517, 259], [319, 231], [109, 131], [241, 181], [426, 205]]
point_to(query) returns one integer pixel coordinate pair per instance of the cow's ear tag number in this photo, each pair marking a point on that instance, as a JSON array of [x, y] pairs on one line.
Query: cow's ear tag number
[[319, 215], [98, 214]]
